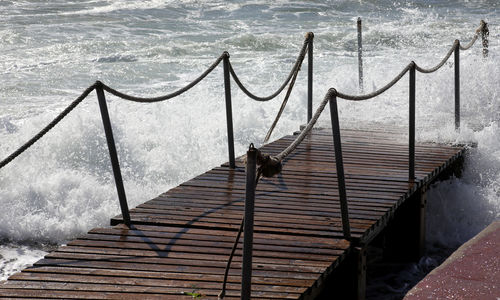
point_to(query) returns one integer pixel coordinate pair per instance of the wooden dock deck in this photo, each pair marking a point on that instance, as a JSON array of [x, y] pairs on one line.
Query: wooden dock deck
[[180, 241]]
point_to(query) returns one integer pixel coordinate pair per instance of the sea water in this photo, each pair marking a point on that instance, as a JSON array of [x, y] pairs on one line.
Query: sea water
[[50, 51]]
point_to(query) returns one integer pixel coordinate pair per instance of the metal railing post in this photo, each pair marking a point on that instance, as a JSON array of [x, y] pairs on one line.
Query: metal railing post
[[229, 111], [112, 153], [310, 76], [411, 154], [360, 57], [334, 116], [246, 273], [457, 84], [485, 32]]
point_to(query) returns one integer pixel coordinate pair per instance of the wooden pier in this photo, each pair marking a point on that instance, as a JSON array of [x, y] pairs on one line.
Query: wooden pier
[[179, 242]]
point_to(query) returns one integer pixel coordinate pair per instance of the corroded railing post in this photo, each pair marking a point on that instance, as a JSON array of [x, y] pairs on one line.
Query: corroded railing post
[[112, 153], [229, 111], [310, 36], [411, 154], [246, 272], [360, 56], [334, 116], [457, 84]]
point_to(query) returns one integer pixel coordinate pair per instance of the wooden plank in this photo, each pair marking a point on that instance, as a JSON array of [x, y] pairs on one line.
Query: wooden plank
[[180, 240]]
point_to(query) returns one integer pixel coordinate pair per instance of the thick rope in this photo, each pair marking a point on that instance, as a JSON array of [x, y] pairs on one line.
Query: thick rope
[[480, 29], [452, 49], [230, 259], [300, 58], [443, 61], [272, 165], [379, 91], [47, 128], [283, 104], [168, 96], [307, 129]]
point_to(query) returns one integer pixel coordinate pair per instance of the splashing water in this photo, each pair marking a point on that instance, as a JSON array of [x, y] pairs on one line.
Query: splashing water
[[50, 52]]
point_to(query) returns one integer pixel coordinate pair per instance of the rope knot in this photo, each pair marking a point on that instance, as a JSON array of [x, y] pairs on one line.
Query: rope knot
[[268, 165]]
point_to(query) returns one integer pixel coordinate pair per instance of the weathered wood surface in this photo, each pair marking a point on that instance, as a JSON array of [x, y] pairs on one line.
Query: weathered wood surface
[[180, 241]]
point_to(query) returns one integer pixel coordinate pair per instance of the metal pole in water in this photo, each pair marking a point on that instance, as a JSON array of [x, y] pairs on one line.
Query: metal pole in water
[[310, 76], [229, 111], [334, 116], [411, 154], [360, 57], [457, 84], [246, 273], [112, 153]]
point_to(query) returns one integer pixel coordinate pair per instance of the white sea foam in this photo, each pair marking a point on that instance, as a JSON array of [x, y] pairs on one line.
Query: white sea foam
[[63, 185], [14, 258]]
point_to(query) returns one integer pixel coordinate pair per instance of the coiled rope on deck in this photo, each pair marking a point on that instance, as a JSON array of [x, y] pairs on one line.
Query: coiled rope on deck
[[47, 128]]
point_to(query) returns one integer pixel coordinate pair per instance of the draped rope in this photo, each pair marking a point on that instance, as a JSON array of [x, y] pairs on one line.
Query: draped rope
[[443, 61], [168, 96], [47, 128], [283, 104], [479, 30], [295, 68], [379, 91]]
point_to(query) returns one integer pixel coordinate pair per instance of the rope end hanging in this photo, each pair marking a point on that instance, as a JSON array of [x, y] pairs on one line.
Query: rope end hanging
[[221, 295]]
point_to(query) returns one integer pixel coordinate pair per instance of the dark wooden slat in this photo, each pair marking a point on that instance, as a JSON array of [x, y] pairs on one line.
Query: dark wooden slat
[[180, 240]]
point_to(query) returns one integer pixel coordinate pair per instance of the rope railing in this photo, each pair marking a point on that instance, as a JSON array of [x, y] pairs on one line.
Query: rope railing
[[331, 97], [285, 101], [411, 68], [440, 64], [379, 91], [171, 95], [483, 27], [47, 128], [269, 165], [295, 68]]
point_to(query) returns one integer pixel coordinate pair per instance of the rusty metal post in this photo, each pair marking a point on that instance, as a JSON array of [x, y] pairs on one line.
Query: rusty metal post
[[246, 273], [229, 111], [112, 153], [484, 36], [310, 76], [360, 278], [411, 154], [334, 116], [360, 56], [421, 220], [457, 85]]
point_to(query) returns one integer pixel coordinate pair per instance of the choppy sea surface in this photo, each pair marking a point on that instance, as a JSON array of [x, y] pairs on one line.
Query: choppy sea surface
[[50, 51]]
